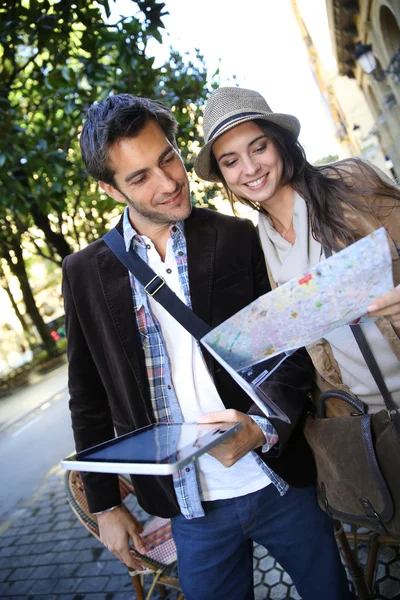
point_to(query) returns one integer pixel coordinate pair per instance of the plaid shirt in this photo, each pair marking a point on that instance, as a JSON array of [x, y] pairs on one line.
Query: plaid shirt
[[163, 398]]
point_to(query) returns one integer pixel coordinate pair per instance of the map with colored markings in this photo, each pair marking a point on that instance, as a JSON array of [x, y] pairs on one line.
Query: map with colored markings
[[335, 292]]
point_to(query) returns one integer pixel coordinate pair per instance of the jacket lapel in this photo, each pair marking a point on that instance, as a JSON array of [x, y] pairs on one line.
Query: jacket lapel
[[200, 243], [201, 239], [117, 292]]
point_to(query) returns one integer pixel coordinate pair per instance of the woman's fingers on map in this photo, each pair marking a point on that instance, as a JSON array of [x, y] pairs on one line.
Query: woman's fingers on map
[[387, 306]]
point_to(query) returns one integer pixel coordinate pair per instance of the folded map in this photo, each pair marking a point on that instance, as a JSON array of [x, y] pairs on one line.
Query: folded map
[[335, 292]]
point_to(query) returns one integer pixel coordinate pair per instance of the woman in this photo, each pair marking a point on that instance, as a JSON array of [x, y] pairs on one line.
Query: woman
[[305, 212]]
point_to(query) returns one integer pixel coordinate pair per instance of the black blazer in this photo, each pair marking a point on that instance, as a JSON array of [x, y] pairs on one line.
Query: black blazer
[[109, 390]]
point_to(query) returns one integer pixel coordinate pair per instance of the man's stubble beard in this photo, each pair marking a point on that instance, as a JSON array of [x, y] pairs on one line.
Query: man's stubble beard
[[156, 217]]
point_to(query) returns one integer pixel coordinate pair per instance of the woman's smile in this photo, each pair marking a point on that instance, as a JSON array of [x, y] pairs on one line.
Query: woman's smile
[[249, 162], [258, 183]]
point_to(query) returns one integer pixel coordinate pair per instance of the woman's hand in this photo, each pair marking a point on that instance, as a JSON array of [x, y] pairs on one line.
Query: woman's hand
[[387, 306]]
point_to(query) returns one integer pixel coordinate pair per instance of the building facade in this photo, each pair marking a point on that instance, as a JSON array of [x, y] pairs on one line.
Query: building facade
[[336, 115], [372, 26]]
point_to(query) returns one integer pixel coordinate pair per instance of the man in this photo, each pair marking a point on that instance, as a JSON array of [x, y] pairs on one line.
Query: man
[[132, 364]]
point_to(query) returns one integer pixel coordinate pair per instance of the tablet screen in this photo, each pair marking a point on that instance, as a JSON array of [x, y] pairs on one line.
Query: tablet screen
[[159, 443]]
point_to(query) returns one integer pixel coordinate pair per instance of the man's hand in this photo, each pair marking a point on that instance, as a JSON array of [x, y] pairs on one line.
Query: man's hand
[[116, 528], [387, 306], [237, 445]]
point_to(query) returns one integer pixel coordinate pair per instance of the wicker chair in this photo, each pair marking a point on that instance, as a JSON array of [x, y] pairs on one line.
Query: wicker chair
[[156, 534], [363, 579], [356, 573]]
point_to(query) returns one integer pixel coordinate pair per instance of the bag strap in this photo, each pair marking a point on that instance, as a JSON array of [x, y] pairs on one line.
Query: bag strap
[[341, 395], [373, 366], [155, 286], [376, 374]]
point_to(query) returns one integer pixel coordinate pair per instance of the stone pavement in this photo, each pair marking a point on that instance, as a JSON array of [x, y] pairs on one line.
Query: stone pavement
[[46, 554]]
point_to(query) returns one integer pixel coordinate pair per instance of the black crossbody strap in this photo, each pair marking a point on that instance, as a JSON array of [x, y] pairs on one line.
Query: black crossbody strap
[[373, 366], [155, 286]]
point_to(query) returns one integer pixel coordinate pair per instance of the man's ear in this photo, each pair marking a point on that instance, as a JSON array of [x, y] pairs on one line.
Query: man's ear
[[111, 191]]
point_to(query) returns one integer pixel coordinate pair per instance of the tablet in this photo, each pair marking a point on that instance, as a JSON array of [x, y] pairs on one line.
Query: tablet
[[159, 449]]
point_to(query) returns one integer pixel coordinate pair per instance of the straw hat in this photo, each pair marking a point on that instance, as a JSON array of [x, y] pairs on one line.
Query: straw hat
[[228, 107]]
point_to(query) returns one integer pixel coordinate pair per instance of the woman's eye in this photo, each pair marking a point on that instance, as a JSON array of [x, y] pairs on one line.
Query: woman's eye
[[260, 148], [230, 163]]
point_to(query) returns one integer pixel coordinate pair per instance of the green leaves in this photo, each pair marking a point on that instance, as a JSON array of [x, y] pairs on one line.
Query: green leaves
[[58, 57]]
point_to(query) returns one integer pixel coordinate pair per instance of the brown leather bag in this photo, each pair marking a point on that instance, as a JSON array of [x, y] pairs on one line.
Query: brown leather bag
[[358, 457], [358, 465]]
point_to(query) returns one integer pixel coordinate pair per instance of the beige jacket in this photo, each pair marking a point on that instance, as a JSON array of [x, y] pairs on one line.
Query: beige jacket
[[327, 369]]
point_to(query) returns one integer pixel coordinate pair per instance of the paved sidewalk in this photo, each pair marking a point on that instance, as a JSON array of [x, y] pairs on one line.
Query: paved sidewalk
[[18, 403], [46, 554]]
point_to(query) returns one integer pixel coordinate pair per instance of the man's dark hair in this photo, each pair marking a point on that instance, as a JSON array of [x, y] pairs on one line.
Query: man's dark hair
[[117, 117]]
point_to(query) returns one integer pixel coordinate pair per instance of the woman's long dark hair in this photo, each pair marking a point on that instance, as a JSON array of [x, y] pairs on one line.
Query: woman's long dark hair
[[325, 189]]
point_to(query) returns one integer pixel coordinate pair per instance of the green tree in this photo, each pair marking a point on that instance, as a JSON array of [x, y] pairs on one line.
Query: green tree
[[330, 158], [13, 254], [57, 58], [4, 283]]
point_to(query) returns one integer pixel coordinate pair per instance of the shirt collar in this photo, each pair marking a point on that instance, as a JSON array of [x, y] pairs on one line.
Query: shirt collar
[[130, 234], [132, 237]]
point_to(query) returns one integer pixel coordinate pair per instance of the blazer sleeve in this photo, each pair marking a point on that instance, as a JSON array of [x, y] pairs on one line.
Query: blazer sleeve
[[90, 412], [289, 387]]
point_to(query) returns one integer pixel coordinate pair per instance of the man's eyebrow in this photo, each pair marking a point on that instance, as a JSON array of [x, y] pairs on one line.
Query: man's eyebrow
[[259, 137], [134, 174]]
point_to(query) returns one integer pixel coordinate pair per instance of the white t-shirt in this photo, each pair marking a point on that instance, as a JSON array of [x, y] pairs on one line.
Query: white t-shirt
[[196, 392]]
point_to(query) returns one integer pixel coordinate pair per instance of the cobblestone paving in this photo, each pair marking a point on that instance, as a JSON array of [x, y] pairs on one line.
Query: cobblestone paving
[[46, 554]]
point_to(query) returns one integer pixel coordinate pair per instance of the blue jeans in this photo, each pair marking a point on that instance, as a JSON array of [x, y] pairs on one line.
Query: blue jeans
[[215, 552]]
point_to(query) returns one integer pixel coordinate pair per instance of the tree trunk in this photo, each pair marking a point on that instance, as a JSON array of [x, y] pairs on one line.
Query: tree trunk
[[25, 327], [18, 269], [54, 240]]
